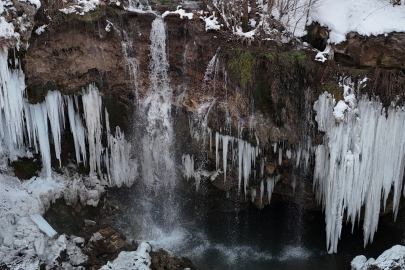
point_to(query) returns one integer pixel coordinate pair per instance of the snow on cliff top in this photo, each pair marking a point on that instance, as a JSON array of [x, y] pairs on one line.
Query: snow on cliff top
[[366, 17]]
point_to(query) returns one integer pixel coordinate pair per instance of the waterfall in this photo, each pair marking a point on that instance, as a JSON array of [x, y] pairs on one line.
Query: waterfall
[[157, 142], [132, 64]]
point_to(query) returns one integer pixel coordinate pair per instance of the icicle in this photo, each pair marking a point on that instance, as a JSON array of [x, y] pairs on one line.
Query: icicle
[[12, 87], [39, 123], [361, 159], [225, 140], [271, 183], [210, 134], [262, 166], [294, 184], [298, 157], [280, 155], [107, 126], [123, 170], [78, 131], [92, 115], [217, 138], [261, 193], [55, 107], [188, 163], [288, 154], [253, 193], [241, 146]]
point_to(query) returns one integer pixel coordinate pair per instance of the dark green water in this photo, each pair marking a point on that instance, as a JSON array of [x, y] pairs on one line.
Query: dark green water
[[273, 239], [280, 236]]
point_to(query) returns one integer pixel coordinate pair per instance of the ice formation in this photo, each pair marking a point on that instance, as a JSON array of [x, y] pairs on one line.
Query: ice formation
[[43, 225], [78, 131], [359, 163], [28, 127], [24, 231], [188, 163], [245, 157], [92, 115], [271, 183]]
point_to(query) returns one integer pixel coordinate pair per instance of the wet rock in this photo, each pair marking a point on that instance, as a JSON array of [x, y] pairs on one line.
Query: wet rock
[[103, 246], [110, 241], [161, 260], [88, 222], [69, 220]]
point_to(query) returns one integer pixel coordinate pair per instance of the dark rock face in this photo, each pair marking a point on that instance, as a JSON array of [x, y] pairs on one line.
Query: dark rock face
[[384, 51], [374, 51]]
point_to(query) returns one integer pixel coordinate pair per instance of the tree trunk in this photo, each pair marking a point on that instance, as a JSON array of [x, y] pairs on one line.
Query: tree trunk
[[245, 18]]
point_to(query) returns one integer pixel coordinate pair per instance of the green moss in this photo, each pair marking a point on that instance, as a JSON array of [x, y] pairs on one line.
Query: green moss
[[262, 90], [241, 64], [270, 55], [26, 168], [358, 73], [335, 90], [300, 56], [290, 58], [94, 15]]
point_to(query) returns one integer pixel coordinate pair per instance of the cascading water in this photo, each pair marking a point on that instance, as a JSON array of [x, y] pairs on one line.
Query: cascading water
[[157, 142], [154, 142]]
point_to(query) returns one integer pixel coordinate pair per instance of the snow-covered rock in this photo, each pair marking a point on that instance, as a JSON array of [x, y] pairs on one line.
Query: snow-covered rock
[[393, 258], [135, 260]]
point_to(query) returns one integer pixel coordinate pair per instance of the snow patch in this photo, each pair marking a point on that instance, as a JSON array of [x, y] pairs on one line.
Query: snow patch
[[41, 29], [339, 109], [81, 7], [183, 14], [366, 17], [211, 23], [393, 258]]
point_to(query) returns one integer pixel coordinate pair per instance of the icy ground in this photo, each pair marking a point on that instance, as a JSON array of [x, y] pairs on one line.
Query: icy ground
[[27, 240]]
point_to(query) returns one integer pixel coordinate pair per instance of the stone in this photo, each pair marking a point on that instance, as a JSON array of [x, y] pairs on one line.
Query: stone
[[88, 222]]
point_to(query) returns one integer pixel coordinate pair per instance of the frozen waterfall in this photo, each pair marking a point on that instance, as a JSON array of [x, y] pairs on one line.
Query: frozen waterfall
[[28, 126], [360, 161]]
